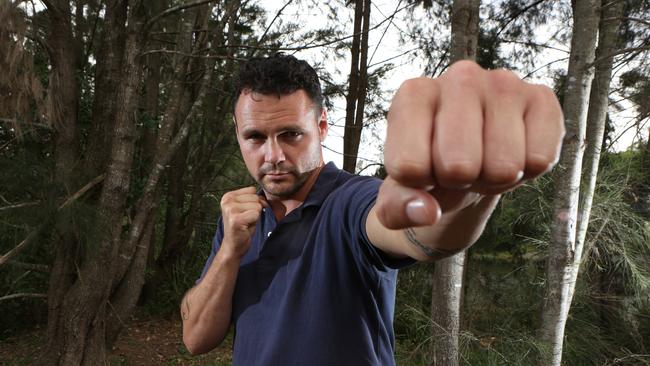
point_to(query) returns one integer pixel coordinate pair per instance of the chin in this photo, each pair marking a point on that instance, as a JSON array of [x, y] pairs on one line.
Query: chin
[[280, 191]]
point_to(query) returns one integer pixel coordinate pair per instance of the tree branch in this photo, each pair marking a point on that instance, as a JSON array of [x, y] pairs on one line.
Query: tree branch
[[174, 52], [22, 294], [620, 52], [31, 266], [34, 234], [19, 205], [515, 16], [277, 15], [174, 9], [82, 191], [638, 20], [309, 46]]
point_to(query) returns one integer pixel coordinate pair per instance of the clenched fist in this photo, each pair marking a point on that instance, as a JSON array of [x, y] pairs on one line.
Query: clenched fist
[[467, 135], [240, 211]]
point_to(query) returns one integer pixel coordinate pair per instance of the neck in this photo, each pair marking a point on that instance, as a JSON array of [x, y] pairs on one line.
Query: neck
[[283, 206]]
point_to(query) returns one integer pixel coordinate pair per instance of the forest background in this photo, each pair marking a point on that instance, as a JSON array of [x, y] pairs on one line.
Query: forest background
[[116, 145]]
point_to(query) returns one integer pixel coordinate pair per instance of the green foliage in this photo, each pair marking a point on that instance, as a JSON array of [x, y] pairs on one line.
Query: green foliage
[[501, 315], [505, 280]]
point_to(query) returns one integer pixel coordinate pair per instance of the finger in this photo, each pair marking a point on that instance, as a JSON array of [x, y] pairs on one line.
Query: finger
[[504, 134], [245, 190], [232, 195], [451, 200], [399, 206], [458, 132], [247, 206], [247, 197], [407, 153], [248, 218], [544, 130]]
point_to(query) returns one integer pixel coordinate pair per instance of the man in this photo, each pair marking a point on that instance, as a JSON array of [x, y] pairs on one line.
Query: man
[[306, 268]]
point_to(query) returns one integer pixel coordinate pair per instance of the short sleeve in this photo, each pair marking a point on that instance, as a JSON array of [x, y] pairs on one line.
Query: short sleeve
[[216, 244], [358, 196]]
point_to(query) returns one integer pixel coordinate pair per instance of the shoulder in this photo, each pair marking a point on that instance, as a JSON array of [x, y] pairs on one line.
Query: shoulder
[[356, 185]]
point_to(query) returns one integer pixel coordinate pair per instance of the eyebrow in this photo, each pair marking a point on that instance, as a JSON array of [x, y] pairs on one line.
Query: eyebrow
[[252, 131]]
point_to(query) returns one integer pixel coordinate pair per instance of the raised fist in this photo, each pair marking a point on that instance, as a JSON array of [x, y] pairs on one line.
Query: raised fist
[[240, 211]]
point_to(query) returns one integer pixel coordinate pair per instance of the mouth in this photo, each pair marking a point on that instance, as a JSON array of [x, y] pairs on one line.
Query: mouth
[[276, 174]]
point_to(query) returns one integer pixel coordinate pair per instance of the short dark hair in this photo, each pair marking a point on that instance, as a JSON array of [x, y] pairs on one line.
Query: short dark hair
[[279, 74]]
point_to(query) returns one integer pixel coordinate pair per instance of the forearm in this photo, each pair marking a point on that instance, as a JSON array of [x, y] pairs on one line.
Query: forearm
[[453, 233], [207, 307]]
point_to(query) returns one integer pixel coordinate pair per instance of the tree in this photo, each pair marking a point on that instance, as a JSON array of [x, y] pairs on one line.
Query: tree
[[608, 42], [357, 85], [99, 261], [564, 257], [448, 273]]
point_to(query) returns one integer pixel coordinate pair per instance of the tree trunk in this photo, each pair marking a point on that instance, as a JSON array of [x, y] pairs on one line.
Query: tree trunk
[[563, 260], [596, 117], [448, 273], [445, 309], [62, 108], [79, 337], [358, 83], [150, 133], [110, 54], [178, 221]]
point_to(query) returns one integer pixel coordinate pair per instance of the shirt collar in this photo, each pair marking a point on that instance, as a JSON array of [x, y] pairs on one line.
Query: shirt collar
[[324, 184]]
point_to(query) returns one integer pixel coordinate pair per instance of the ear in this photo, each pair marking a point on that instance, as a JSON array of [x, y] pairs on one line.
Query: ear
[[322, 124]]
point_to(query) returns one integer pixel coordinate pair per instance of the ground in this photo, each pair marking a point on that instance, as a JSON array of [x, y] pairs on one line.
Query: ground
[[145, 342]]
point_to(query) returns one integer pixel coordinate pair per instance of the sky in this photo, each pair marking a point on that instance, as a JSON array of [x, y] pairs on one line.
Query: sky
[[384, 44]]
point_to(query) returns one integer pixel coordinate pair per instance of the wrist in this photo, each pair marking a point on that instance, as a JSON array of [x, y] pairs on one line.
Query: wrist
[[230, 252]]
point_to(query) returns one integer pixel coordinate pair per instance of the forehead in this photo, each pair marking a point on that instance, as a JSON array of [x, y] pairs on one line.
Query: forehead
[[256, 110]]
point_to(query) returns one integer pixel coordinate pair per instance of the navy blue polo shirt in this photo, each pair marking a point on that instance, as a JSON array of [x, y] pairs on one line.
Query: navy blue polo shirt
[[312, 289]]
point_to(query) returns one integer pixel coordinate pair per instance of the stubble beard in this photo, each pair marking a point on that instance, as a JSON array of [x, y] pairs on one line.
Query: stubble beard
[[282, 191]]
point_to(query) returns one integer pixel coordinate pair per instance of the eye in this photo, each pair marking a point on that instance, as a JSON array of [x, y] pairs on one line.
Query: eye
[[255, 137], [291, 135]]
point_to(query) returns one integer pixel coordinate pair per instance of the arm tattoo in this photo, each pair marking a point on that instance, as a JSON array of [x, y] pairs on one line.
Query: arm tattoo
[[428, 251]]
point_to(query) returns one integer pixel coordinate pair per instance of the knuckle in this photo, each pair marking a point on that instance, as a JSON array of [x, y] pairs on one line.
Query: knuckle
[[227, 211], [547, 96], [415, 84], [383, 209], [466, 73], [402, 170], [504, 81], [503, 173], [458, 171], [385, 217], [539, 163], [414, 87]]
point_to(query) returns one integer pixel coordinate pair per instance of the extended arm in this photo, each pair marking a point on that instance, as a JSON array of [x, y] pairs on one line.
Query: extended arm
[[453, 145], [452, 232]]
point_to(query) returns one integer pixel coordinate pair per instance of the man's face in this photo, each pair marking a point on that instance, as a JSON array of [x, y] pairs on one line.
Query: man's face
[[280, 139]]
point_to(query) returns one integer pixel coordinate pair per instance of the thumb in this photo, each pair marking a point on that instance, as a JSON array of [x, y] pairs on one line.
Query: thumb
[[399, 206]]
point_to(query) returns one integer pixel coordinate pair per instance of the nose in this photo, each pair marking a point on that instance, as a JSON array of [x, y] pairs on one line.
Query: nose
[[273, 153]]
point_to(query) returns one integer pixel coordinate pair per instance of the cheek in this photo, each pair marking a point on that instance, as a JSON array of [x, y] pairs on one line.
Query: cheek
[[251, 155]]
